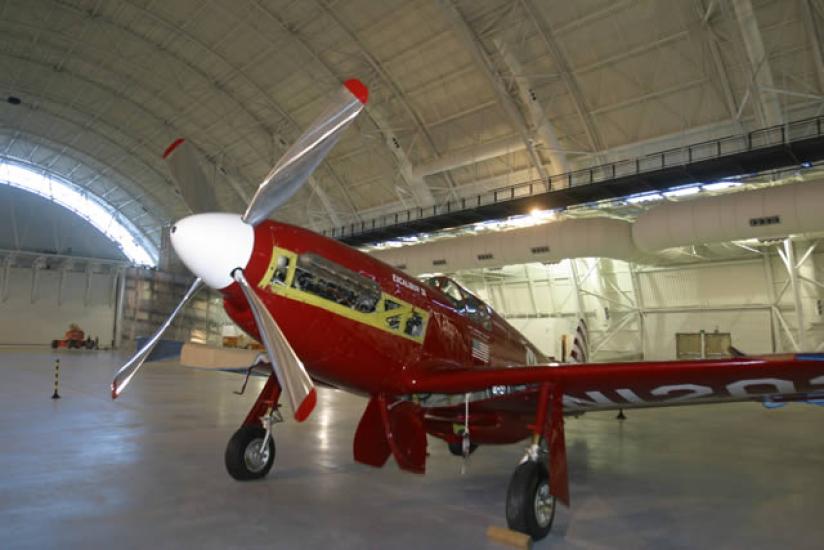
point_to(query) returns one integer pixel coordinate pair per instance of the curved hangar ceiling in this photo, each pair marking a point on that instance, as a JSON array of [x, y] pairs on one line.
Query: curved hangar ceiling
[[464, 93]]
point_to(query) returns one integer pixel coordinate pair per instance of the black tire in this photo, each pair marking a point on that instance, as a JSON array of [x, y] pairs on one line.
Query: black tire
[[89, 344], [55, 343], [456, 448], [522, 502], [241, 461]]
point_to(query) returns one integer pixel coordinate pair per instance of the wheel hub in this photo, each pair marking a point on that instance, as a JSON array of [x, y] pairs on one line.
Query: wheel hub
[[544, 505], [256, 455]]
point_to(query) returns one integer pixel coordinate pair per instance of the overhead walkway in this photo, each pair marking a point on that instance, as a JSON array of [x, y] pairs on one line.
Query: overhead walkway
[[792, 144]]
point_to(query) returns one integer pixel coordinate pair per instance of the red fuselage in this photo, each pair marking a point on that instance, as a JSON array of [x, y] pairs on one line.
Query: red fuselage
[[357, 348], [364, 326]]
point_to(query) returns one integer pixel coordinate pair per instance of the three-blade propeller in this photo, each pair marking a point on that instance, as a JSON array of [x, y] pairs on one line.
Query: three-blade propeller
[[219, 269]]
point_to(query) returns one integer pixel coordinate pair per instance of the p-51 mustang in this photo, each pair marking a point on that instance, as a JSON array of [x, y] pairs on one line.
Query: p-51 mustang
[[433, 358]]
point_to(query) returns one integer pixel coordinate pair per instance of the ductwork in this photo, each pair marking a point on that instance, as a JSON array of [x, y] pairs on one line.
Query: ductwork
[[774, 212], [551, 242], [764, 213]]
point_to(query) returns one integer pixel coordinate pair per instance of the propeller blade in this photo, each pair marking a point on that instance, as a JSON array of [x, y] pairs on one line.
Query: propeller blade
[[182, 159], [288, 367], [127, 371], [301, 159]]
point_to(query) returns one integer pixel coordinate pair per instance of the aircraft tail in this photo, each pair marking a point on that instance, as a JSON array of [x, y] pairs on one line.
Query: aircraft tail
[[580, 345]]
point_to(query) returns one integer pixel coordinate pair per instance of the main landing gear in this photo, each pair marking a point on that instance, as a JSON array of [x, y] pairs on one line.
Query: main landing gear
[[250, 453], [542, 474], [530, 508]]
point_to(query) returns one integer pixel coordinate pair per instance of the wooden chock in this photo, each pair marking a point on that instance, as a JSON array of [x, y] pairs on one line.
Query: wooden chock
[[509, 537]]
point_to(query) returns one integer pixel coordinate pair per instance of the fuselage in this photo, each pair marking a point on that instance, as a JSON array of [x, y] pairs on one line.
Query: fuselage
[[360, 324], [364, 326]]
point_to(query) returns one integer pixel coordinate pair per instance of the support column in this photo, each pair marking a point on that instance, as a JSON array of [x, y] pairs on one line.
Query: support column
[[579, 300], [792, 270], [639, 304], [120, 282], [771, 298]]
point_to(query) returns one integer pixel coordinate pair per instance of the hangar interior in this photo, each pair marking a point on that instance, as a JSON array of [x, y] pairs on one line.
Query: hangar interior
[[653, 167]]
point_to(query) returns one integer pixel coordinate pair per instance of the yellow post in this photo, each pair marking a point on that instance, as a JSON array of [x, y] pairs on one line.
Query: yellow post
[[56, 395]]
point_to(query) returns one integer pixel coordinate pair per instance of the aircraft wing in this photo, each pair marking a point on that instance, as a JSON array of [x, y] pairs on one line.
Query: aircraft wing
[[550, 391], [790, 376]]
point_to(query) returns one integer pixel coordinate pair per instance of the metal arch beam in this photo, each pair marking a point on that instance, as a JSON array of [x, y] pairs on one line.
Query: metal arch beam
[[208, 81], [650, 95], [151, 203], [85, 185], [139, 232], [270, 133], [568, 78], [543, 127], [768, 107], [711, 40], [418, 187], [163, 124], [483, 61], [108, 90], [390, 82], [272, 104], [101, 136], [809, 14]]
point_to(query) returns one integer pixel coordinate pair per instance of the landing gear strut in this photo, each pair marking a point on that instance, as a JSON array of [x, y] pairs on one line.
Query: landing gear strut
[[251, 450], [542, 474]]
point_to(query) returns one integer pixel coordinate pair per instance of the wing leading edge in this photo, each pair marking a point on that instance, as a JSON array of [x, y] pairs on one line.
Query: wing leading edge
[[654, 383]]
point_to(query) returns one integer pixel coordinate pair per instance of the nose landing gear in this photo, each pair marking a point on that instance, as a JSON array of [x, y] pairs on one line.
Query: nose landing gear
[[250, 453]]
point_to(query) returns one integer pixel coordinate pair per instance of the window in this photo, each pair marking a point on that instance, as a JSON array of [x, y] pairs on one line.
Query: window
[[102, 215], [767, 220], [478, 312], [282, 270], [330, 281], [464, 301], [414, 325]]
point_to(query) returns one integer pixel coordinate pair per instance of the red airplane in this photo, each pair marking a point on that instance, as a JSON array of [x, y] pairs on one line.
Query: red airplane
[[432, 357]]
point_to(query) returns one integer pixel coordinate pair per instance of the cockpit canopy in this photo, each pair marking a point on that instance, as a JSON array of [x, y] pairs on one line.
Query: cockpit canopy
[[465, 302]]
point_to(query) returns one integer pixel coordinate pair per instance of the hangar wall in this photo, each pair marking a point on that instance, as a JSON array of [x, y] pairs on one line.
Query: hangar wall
[[635, 311], [40, 295], [28, 318]]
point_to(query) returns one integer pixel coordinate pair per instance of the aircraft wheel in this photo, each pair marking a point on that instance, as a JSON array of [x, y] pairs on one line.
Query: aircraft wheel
[[244, 459], [530, 508], [456, 448]]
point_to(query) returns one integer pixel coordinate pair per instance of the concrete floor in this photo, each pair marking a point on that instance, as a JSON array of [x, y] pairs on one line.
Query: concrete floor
[[147, 471]]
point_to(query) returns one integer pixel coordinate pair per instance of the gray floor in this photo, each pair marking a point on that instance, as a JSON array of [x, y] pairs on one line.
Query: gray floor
[[147, 471]]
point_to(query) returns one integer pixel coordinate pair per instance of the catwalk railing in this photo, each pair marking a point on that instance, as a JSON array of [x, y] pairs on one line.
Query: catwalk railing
[[790, 144]]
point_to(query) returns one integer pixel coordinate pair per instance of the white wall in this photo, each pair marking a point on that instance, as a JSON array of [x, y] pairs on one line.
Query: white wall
[[732, 296], [40, 322]]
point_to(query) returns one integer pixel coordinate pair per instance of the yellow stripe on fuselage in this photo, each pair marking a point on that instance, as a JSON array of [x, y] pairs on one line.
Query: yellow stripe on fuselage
[[379, 319]]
